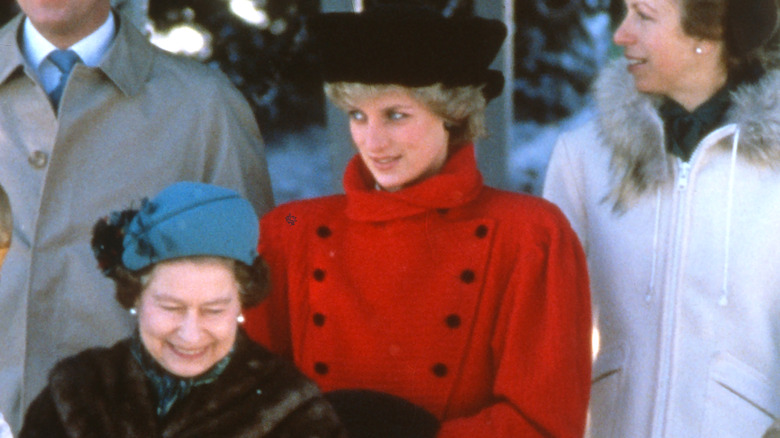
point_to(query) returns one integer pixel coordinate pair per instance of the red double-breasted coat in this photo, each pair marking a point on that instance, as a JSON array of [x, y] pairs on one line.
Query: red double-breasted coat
[[468, 301]]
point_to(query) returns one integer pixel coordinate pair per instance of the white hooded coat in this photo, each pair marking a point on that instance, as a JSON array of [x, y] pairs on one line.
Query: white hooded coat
[[684, 261]]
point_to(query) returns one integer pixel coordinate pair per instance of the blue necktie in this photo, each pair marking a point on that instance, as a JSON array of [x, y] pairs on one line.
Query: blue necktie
[[64, 60]]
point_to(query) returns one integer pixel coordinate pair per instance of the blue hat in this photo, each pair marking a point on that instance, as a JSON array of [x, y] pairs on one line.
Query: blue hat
[[191, 219]]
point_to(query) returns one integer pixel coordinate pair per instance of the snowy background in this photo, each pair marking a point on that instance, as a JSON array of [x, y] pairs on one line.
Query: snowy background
[[558, 53], [264, 48]]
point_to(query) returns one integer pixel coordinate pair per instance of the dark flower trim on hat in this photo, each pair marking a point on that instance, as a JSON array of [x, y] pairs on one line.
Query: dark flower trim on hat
[[148, 209], [107, 239]]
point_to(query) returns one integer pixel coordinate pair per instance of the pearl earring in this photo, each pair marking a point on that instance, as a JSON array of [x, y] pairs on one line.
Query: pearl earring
[[133, 311], [699, 50], [240, 319]]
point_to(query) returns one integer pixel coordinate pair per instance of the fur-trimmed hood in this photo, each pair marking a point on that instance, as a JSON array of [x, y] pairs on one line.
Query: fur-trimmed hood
[[629, 125]]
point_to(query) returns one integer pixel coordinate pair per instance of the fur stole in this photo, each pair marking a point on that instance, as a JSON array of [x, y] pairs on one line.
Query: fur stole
[[103, 393]]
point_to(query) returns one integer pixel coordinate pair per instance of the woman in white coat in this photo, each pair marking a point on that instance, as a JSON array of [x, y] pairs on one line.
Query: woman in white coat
[[674, 190]]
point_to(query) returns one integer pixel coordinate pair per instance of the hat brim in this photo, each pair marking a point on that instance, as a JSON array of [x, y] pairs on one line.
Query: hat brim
[[408, 46]]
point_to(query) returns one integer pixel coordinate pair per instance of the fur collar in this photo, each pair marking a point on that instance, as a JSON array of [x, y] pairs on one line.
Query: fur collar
[[103, 392], [629, 125]]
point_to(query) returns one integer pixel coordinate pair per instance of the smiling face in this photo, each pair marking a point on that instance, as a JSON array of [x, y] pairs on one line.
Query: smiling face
[[187, 314], [663, 59], [65, 22], [400, 140]]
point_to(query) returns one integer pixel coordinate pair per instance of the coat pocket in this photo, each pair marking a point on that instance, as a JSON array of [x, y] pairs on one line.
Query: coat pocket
[[740, 400], [608, 373]]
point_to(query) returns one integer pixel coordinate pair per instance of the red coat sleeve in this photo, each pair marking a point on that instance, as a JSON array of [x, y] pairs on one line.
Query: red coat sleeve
[[541, 345], [269, 323]]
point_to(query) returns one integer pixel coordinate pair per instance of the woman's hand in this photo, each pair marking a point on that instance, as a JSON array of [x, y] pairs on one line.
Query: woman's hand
[[372, 414]]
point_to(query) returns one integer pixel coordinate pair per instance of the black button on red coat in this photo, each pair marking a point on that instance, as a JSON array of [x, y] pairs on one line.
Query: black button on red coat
[[323, 231], [439, 370], [467, 276], [321, 368]]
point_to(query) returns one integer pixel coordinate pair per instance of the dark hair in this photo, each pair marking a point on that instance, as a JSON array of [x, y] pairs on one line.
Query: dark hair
[[703, 18], [253, 281], [746, 30]]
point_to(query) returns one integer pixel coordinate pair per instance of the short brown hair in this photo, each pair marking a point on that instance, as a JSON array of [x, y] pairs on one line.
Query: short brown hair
[[707, 19], [461, 108], [703, 18], [253, 283]]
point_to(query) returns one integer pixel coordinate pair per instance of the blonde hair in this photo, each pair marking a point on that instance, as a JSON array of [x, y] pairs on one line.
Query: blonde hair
[[461, 108]]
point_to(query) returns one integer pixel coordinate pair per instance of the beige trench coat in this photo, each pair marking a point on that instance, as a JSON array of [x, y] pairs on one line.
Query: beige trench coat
[[139, 121]]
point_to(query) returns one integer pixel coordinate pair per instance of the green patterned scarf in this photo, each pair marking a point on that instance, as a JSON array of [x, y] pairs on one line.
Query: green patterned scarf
[[169, 388]]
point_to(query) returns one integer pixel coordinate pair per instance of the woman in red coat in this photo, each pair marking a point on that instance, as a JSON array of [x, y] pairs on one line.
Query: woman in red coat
[[420, 282]]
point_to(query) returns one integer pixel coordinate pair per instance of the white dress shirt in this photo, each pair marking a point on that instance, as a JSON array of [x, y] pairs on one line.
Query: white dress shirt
[[5, 430], [90, 49]]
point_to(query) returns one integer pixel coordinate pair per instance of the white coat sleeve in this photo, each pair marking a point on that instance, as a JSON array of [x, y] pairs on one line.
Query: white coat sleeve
[[564, 184]]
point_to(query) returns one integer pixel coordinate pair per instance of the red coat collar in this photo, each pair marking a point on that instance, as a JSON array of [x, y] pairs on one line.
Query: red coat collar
[[458, 182]]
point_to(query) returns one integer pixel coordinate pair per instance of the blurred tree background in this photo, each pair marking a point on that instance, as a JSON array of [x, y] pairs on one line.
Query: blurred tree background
[[263, 46], [559, 47], [264, 49]]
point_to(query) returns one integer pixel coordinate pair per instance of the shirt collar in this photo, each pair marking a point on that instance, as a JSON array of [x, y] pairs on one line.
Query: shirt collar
[[90, 49], [684, 130]]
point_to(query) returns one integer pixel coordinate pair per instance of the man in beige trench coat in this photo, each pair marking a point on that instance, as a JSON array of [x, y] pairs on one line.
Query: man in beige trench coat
[[131, 119]]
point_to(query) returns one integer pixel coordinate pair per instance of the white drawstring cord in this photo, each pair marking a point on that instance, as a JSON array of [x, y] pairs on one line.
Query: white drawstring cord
[[656, 228], [724, 292]]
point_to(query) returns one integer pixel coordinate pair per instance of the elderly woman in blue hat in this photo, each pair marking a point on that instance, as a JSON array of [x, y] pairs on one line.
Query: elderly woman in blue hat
[[420, 282], [186, 265]]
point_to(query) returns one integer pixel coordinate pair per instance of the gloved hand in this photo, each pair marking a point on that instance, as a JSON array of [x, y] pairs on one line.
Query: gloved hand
[[372, 414]]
